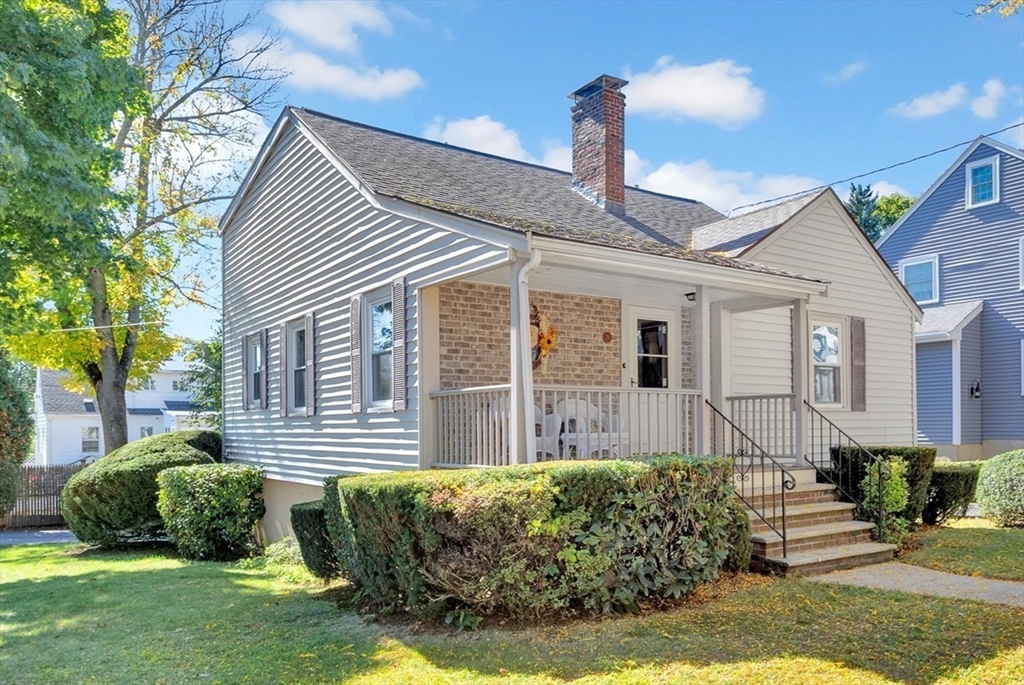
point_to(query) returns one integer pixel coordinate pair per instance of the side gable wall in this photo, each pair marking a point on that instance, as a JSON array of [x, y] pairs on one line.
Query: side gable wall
[[305, 240], [978, 259], [822, 244]]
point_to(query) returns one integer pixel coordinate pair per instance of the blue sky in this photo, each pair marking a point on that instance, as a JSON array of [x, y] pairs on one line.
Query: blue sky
[[729, 102]]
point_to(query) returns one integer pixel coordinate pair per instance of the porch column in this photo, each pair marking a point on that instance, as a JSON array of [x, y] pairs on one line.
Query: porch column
[[801, 365], [520, 447], [702, 337]]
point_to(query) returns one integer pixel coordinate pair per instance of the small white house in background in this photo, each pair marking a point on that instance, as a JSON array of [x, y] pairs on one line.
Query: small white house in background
[[68, 426]]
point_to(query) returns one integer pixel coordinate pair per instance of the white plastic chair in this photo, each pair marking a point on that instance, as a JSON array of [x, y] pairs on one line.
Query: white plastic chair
[[588, 432], [548, 429]]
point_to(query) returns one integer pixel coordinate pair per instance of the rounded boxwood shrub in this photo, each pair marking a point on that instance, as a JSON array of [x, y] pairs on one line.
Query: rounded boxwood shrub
[[950, 491], [893, 498], [741, 545], [849, 471], [113, 500], [210, 511], [1001, 489], [310, 528]]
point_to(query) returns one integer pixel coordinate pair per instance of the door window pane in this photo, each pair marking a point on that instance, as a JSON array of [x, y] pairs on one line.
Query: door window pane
[[652, 353]]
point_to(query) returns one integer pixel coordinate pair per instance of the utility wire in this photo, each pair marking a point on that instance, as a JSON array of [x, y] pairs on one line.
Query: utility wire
[[871, 173], [97, 328]]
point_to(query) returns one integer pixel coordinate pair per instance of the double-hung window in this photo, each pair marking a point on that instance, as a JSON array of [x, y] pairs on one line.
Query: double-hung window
[[254, 369], [921, 276], [149, 384], [297, 367], [178, 386], [982, 182], [381, 347], [827, 360], [90, 439], [145, 431]]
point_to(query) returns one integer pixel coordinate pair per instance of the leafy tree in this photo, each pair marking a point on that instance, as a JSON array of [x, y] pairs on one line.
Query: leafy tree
[[15, 432], [862, 203], [1006, 8], [889, 209], [205, 84], [203, 378]]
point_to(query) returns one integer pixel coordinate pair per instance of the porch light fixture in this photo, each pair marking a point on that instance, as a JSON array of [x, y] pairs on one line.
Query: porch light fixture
[[691, 296], [975, 390]]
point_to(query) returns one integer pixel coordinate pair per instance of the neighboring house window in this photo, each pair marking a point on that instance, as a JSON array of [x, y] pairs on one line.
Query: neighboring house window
[[178, 386], [297, 365], [149, 384], [921, 276], [380, 344], [146, 431], [827, 359], [983, 182], [90, 439]]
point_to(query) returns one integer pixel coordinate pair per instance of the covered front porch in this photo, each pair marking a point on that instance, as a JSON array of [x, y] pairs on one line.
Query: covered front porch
[[641, 364]]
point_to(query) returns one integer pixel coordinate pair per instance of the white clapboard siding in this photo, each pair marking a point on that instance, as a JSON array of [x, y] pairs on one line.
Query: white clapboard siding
[[823, 245], [305, 240]]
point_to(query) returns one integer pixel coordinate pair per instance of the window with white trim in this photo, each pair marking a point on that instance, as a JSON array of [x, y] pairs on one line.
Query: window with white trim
[[90, 439], [297, 367], [921, 276], [379, 343], [827, 353], [982, 182], [178, 386], [145, 431], [149, 384], [254, 351]]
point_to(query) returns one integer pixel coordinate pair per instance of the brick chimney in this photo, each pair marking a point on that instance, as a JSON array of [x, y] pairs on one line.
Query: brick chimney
[[598, 143]]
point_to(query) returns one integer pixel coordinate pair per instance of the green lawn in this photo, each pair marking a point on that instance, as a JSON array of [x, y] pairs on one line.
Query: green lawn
[[150, 618], [972, 547]]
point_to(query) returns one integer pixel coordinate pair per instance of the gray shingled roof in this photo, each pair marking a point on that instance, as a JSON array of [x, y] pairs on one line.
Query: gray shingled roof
[[732, 236], [513, 194], [178, 405], [938, 320], [145, 411], [57, 400]]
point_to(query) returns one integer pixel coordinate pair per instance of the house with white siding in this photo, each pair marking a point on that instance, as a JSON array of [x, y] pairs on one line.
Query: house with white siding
[[397, 303], [960, 251], [68, 427]]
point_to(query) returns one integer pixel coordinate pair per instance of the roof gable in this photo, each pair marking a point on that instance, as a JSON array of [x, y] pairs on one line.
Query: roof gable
[[735, 235], [960, 161]]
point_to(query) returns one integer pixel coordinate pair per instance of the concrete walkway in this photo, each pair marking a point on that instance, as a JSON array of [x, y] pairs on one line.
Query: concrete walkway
[[35, 537], [925, 581]]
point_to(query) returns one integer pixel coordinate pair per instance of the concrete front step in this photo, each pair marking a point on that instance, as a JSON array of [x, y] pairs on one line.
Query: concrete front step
[[802, 515], [805, 539], [830, 559], [805, 493]]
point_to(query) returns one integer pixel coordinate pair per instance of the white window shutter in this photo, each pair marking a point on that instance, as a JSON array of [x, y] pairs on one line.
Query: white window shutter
[[398, 344], [356, 345], [858, 365], [310, 366], [265, 368], [283, 371], [245, 373]]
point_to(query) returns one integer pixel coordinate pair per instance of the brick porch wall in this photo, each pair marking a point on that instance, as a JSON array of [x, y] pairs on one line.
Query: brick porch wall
[[474, 337]]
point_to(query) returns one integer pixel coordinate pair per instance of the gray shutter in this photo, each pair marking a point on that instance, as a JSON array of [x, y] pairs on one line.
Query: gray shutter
[[265, 376], [310, 367], [355, 332], [858, 365], [398, 344], [245, 372], [283, 371], [792, 355]]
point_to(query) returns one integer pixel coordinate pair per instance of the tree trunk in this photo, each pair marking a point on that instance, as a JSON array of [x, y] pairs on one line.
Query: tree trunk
[[112, 378], [110, 399]]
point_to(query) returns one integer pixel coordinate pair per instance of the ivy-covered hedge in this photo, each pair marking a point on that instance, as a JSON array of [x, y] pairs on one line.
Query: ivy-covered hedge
[[210, 511], [950, 491], [310, 528], [113, 500], [1001, 489], [919, 463], [532, 539]]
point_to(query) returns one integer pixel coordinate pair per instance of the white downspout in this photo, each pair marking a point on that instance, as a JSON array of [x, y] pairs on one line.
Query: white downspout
[[524, 350]]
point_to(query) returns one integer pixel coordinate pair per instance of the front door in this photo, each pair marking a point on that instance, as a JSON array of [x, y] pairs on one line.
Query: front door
[[651, 348]]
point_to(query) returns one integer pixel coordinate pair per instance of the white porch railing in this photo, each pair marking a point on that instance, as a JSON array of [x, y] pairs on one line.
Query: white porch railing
[[769, 420], [570, 422]]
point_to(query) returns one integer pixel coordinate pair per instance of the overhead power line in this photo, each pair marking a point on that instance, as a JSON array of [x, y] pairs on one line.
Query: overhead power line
[[100, 328], [876, 171]]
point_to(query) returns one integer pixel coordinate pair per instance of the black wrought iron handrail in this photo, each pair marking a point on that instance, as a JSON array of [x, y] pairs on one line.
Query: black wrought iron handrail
[[843, 454], [727, 439]]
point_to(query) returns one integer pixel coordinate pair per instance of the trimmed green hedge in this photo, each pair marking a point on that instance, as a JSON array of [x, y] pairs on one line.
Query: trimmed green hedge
[[950, 491], [211, 510], [919, 462], [1001, 489], [532, 539], [10, 477], [741, 544], [113, 500], [310, 529]]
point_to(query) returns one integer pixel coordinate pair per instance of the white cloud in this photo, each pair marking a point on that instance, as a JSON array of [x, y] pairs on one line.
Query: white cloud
[[719, 92], [987, 106], [932, 104], [556, 155], [846, 73], [330, 24], [886, 188], [482, 133]]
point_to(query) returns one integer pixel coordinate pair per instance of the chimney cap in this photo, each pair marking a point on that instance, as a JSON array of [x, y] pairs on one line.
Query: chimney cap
[[602, 82]]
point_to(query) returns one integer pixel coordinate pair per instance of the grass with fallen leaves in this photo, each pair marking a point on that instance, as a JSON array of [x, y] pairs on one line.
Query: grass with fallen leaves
[[970, 547], [68, 615]]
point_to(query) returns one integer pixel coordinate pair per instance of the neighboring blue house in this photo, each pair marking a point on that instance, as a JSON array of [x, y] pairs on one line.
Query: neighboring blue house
[[960, 252]]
